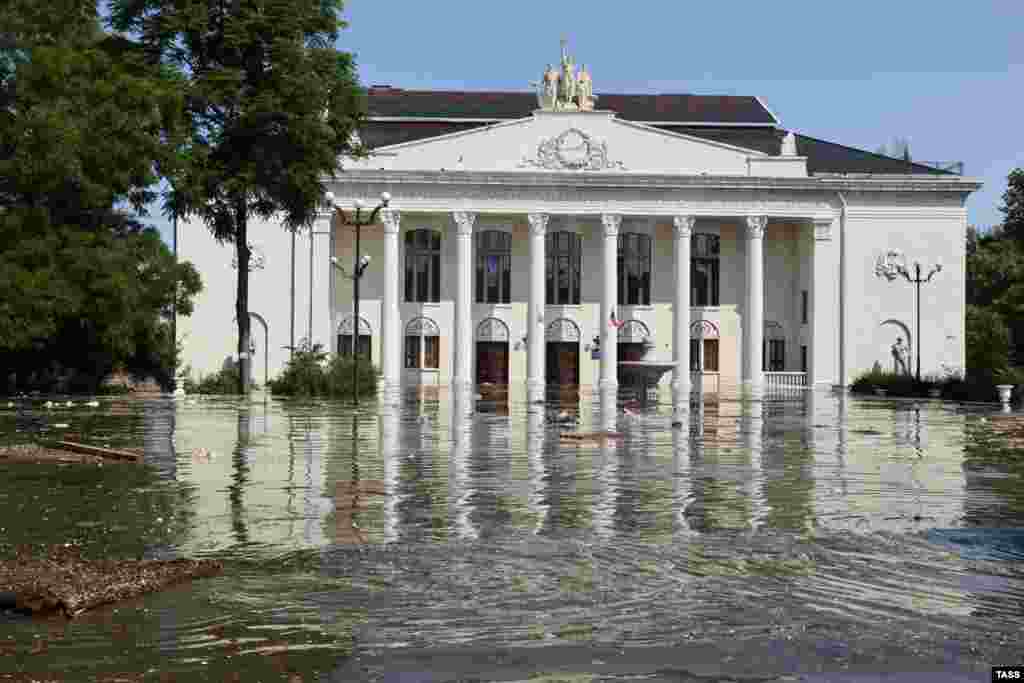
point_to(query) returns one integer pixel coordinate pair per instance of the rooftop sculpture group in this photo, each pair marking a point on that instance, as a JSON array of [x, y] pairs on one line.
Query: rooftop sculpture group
[[566, 89]]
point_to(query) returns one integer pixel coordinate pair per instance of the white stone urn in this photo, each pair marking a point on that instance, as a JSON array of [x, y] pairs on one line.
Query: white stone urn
[[1005, 392]]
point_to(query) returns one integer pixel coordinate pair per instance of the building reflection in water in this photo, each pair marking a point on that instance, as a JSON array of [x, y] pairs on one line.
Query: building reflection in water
[[389, 438], [538, 475], [682, 472], [752, 428], [606, 483], [460, 490]]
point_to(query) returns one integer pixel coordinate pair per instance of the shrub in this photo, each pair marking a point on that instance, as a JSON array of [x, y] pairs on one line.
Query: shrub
[[223, 382], [311, 373], [894, 383]]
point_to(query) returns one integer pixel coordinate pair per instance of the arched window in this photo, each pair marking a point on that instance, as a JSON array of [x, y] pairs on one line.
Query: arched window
[[345, 338], [562, 254], [634, 269], [704, 270], [423, 266], [422, 344], [493, 267]]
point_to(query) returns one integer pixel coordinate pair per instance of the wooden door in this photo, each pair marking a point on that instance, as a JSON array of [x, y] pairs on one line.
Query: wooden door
[[629, 351], [563, 363], [492, 363]]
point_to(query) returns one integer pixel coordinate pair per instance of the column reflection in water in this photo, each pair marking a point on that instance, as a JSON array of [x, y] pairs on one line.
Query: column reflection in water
[[460, 491], [537, 503], [752, 443], [316, 505], [682, 473], [826, 420], [390, 439], [607, 467]]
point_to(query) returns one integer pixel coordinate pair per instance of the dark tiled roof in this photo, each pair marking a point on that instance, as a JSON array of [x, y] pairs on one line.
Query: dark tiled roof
[[822, 156], [514, 105], [830, 157]]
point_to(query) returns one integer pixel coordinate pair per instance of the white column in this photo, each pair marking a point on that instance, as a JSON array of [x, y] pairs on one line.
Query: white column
[[753, 323], [390, 321], [535, 310], [609, 301], [681, 305], [823, 302], [320, 283], [463, 375]]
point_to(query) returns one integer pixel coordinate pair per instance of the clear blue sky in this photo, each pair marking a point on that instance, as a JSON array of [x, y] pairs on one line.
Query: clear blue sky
[[947, 76]]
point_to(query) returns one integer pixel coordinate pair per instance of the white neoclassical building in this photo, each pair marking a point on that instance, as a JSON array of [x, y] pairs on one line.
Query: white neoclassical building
[[539, 238]]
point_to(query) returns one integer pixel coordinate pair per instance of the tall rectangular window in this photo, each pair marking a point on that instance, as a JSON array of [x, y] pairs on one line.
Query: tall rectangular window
[[493, 267], [634, 269], [804, 305], [562, 256], [803, 358], [704, 270], [423, 266]]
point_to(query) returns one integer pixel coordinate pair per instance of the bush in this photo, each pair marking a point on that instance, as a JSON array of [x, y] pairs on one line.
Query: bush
[[223, 382], [894, 383], [310, 373]]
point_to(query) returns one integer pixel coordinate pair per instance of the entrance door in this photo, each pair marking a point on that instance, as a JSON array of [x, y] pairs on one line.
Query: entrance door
[[629, 351], [492, 363], [563, 363]]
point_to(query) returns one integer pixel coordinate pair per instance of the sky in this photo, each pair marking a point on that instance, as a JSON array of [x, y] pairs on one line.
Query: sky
[[948, 77]]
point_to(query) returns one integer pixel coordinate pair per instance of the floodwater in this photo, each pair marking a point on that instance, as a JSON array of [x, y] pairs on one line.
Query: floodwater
[[429, 536]]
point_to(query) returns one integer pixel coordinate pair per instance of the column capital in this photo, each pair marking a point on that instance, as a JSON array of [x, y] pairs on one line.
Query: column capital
[[464, 220], [823, 229], [391, 219], [538, 223], [756, 226], [611, 223], [684, 225]]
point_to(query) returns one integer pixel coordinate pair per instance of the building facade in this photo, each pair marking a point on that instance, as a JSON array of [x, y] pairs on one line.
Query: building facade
[[538, 239]]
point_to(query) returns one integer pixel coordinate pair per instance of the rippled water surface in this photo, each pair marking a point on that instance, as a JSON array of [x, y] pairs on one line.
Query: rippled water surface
[[430, 536]]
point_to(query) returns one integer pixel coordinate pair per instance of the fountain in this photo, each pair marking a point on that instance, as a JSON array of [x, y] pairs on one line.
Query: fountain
[[646, 372]]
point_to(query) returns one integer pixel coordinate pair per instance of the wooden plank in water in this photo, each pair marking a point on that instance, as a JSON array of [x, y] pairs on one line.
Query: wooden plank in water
[[590, 436], [97, 451]]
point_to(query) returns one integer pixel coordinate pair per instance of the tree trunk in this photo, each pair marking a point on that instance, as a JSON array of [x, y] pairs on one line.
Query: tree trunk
[[242, 300]]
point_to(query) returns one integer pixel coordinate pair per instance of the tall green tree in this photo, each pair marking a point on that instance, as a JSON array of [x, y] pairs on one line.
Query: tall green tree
[[86, 123], [1013, 206], [272, 106]]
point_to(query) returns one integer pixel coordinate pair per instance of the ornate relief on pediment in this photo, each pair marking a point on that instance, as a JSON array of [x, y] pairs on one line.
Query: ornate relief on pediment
[[572, 150]]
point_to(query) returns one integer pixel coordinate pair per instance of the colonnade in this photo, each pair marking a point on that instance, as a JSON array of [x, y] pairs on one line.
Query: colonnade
[[683, 225]]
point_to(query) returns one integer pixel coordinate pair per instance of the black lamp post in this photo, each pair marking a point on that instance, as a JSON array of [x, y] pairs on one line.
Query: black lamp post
[[917, 280], [357, 221]]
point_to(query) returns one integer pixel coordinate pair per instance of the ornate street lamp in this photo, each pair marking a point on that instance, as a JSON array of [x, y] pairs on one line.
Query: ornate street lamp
[[356, 221], [890, 266]]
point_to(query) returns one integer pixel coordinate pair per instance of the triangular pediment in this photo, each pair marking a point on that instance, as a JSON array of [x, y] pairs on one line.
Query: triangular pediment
[[581, 142]]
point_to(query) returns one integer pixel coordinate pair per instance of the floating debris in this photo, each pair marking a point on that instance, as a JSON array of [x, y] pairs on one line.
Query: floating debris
[[62, 581]]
